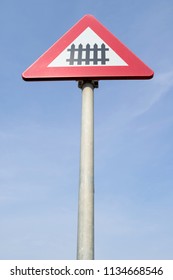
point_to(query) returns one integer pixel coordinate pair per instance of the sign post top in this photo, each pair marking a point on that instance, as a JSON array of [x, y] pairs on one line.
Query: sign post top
[[88, 51]]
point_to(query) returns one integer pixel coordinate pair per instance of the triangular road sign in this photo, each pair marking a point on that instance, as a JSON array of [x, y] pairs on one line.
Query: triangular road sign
[[88, 51]]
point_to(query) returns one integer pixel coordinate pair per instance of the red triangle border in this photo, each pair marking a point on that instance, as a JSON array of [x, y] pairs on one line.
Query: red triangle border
[[136, 69]]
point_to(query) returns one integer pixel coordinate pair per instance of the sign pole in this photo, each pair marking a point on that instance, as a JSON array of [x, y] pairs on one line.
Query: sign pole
[[85, 242]]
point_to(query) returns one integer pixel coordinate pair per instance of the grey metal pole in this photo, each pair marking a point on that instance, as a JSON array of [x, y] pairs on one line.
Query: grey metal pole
[[85, 242]]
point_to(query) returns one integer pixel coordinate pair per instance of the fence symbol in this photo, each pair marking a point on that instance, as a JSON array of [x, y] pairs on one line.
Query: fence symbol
[[88, 55]]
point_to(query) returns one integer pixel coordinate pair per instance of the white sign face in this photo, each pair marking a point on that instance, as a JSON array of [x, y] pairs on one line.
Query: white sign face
[[88, 50]]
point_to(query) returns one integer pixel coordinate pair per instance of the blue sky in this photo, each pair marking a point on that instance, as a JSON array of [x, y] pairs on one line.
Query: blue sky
[[40, 136]]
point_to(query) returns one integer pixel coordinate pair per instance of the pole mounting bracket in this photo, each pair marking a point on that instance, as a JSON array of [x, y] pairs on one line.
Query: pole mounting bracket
[[94, 83]]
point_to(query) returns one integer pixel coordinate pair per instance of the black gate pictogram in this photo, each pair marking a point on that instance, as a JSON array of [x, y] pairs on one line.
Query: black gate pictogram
[[87, 55]]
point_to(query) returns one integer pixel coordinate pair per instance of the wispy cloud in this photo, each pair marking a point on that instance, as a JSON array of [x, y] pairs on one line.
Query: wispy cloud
[[137, 101], [162, 83]]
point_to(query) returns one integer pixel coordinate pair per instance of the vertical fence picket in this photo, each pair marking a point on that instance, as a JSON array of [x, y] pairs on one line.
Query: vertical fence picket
[[79, 60], [95, 59], [72, 51], [103, 54], [87, 62]]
